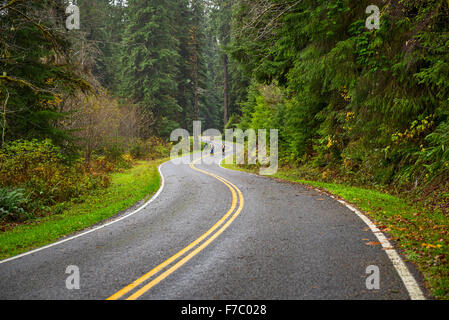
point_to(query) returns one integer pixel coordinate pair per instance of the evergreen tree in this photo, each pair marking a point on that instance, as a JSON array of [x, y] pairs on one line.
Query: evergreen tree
[[103, 24], [36, 70], [365, 101], [213, 96], [150, 61], [223, 29], [184, 95]]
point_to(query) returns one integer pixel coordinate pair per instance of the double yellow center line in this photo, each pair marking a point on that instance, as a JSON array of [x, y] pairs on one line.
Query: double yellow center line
[[191, 250]]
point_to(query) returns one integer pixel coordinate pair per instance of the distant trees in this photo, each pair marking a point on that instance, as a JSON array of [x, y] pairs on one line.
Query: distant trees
[[150, 61], [103, 24], [168, 63], [166, 59]]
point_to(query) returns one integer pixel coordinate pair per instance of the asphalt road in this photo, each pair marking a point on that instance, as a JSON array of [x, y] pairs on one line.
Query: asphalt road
[[266, 240]]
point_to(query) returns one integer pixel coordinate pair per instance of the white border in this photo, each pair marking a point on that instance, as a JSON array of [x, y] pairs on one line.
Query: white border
[[97, 228], [407, 278]]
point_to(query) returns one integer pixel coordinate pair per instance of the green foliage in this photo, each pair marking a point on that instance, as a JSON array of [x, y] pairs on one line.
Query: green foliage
[[103, 23], [150, 59], [364, 106], [157, 148], [40, 169], [170, 63], [153, 148], [138, 149], [437, 154], [36, 69], [113, 152], [13, 204]]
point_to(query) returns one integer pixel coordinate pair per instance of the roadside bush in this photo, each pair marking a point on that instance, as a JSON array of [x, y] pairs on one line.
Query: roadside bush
[[153, 148], [436, 156], [99, 164], [13, 204], [114, 157], [39, 168], [127, 161], [113, 152], [158, 148], [138, 149]]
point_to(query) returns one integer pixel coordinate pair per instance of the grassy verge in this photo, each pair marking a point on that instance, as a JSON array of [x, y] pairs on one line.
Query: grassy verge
[[127, 188], [422, 235]]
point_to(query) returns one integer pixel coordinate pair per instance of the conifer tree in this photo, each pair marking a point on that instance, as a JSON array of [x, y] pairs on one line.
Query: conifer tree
[[36, 70], [150, 61]]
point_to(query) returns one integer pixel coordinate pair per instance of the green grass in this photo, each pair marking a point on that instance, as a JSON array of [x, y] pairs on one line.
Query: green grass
[[127, 188], [422, 236]]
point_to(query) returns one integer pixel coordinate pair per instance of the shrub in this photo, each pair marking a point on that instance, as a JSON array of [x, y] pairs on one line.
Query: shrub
[[40, 169], [127, 161], [13, 204], [158, 148], [153, 148], [99, 164], [114, 152], [436, 156], [138, 149]]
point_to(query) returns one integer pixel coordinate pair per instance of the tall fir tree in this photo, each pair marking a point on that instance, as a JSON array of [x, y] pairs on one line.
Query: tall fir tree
[[37, 70], [150, 62]]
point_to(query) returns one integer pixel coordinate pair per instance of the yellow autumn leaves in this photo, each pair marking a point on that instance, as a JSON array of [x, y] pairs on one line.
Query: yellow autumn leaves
[[429, 245]]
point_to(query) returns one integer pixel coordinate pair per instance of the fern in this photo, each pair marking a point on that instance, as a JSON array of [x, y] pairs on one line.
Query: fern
[[12, 204]]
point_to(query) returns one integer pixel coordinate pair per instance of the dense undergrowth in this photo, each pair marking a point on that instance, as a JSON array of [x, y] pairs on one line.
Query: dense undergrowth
[[37, 179]]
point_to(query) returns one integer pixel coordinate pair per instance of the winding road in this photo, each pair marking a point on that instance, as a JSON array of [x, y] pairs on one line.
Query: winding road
[[213, 233]]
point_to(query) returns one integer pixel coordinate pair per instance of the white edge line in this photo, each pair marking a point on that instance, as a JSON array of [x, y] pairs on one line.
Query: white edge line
[[97, 228], [407, 278]]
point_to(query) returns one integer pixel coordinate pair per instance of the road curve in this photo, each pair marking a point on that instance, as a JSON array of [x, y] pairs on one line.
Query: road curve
[[213, 233]]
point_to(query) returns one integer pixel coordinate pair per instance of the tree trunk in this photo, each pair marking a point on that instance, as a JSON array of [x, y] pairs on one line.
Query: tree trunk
[[196, 110], [4, 118], [225, 89]]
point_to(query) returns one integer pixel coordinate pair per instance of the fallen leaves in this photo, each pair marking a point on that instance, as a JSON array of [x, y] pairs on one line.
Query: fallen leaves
[[373, 243], [384, 228], [429, 245]]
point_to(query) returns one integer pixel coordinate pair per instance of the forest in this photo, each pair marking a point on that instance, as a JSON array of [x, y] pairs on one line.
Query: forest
[[355, 106], [361, 106]]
